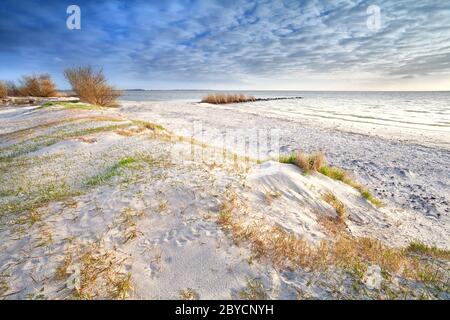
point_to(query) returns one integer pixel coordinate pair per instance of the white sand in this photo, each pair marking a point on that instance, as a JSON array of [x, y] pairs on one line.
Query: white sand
[[170, 203], [395, 166]]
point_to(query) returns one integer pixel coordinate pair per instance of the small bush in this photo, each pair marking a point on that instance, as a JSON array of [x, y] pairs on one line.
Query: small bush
[[306, 162], [37, 86], [421, 248], [3, 90], [91, 86], [221, 98]]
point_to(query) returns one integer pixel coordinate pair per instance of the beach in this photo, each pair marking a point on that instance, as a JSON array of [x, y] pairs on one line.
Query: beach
[[406, 166], [149, 200]]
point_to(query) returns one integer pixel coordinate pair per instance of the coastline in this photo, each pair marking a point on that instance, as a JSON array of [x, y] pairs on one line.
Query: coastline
[[119, 203]]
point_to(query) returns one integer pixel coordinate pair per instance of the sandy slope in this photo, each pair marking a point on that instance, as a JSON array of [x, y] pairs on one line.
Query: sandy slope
[[407, 174], [95, 205]]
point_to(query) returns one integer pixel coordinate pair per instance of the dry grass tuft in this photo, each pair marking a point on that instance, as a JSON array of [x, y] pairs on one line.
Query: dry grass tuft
[[270, 195], [274, 243], [254, 290], [222, 98], [122, 287], [333, 226], [306, 162], [91, 86], [129, 219], [95, 273], [285, 250], [189, 294], [61, 271], [332, 200], [350, 252]]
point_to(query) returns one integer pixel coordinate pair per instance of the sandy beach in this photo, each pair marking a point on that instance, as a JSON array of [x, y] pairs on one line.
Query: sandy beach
[[401, 167], [123, 203]]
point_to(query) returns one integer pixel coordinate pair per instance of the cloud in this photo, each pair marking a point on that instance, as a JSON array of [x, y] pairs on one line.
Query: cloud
[[198, 43]]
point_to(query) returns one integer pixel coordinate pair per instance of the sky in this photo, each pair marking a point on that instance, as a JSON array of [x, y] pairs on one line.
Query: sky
[[267, 45]]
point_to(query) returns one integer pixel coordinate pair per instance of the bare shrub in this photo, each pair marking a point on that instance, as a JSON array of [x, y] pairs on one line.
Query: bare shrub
[[91, 86], [3, 90], [12, 89], [37, 86]]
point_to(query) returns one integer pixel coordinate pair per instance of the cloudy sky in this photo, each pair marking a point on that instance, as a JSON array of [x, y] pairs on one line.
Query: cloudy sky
[[294, 45]]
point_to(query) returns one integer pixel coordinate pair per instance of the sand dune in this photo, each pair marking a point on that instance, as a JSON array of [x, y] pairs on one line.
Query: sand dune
[[101, 204]]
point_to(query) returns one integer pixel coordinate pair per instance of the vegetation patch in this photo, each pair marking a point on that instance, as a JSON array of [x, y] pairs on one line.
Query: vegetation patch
[[35, 85], [148, 125], [317, 162], [42, 141], [354, 254], [95, 273], [332, 200], [254, 290], [70, 105], [420, 248], [36, 199], [111, 172], [91, 86], [189, 294]]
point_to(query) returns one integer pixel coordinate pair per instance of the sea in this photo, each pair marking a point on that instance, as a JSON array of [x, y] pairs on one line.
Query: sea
[[420, 112]]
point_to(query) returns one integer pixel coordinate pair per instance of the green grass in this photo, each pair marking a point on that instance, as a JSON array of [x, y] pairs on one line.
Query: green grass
[[39, 198], [148, 125], [334, 173], [43, 141], [110, 172], [289, 158], [69, 105], [433, 251], [369, 197], [332, 200]]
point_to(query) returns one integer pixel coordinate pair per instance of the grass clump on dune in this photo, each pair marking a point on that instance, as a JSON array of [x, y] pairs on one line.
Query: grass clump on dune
[[332, 200], [286, 250], [307, 162], [422, 249], [317, 162], [224, 98]]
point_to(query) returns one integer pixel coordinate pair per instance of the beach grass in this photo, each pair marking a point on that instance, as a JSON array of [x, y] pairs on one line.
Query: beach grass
[[316, 162], [350, 253], [418, 247]]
